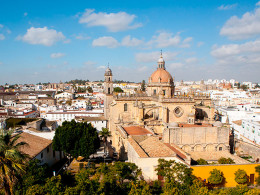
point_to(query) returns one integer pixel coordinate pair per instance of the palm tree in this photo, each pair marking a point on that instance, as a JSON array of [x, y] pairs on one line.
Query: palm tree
[[104, 134], [12, 160]]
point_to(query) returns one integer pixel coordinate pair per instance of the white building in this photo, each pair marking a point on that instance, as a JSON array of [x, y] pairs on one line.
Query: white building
[[40, 148], [62, 116]]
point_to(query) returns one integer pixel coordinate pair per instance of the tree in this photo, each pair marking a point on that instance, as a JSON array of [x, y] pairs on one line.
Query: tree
[[201, 161], [244, 87], [257, 169], [176, 175], [12, 160], [257, 86], [240, 176], [118, 90], [35, 174], [89, 89], [216, 177], [223, 160], [76, 139], [104, 134], [143, 85]]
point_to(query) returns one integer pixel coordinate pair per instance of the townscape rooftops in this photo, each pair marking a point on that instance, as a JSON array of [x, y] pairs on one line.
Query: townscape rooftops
[[136, 130], [88, 118], [35, 144]]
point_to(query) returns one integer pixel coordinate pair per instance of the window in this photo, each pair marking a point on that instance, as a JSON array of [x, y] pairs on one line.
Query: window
[[108, 90], [125, 107], [108, 78], [163, 92], [220, 148], [48, 149], [53, 154], [41, 155], [154, 91]]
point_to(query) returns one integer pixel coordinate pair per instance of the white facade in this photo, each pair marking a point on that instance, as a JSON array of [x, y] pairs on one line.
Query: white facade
[[49, 156], [60, 117]]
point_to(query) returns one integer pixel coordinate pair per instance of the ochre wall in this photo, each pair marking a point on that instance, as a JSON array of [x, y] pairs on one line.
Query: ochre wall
[[203, 171]]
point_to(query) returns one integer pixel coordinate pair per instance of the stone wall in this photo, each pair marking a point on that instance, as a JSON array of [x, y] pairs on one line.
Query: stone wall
[[244, 148], [198, 138]]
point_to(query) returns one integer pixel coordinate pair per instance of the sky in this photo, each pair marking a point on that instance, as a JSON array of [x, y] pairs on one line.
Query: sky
[[53, 41]]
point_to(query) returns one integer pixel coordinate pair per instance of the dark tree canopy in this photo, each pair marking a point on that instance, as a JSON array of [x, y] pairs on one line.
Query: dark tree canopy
[[223, 160], [76, 139], [240, 176], [118, 90]]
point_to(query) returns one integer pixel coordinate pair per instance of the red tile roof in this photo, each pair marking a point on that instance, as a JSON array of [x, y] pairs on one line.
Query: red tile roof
[[136, 130]]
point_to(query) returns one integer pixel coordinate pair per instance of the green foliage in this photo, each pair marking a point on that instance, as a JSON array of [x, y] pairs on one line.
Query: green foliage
[[89, 89], [104, 134], [241, 176], [78, 81], [216, 177], [11, 160], [76, 139], [198, 187], [35, 174], [143, 85], [257, 86], [118, 90], [223, 160], [257, 169], [201, 161], [244, 87], [176, 175], [81, 89], [140, 188]]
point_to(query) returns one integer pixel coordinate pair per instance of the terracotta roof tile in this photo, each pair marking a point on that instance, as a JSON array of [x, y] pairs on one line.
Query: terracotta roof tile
[[137, 148], [35, 144], [136, 130]]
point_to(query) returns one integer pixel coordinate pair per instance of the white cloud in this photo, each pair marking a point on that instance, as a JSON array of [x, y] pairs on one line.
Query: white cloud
[[258, 3], [191, 60], [82, 37], [242, 28], [165, 39], [1, 25], [57, 55], [175, 65], [227, 7], [142, 69], [238, 59], [114, 22], [154, 56], [131, 42], [101, 67], [2, 37], [109, 42], [236, 49], [186, 42], [89, 63], [42, 36], [200, 43]]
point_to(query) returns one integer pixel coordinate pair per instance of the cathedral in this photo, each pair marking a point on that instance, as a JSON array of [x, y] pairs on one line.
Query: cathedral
[[156, 109]]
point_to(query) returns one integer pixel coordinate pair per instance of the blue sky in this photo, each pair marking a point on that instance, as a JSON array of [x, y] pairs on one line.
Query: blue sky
[[52, 41]]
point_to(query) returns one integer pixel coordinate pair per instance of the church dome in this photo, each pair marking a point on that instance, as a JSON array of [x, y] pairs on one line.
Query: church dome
[[161, 75], [108, 72]]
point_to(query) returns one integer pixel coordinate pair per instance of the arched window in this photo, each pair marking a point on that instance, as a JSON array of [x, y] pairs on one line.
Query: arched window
[[108, 91], [108, 78], [154, 91], [125, 107]]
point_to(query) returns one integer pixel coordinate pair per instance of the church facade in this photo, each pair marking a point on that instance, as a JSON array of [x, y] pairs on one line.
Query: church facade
[[156, 109]]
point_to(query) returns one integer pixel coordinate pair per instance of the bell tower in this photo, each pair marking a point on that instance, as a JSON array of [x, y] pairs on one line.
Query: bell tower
[[108, 82], [108, 90]]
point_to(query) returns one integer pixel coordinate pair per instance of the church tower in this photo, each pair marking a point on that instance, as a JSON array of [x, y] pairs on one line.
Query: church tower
[[108, 90]]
